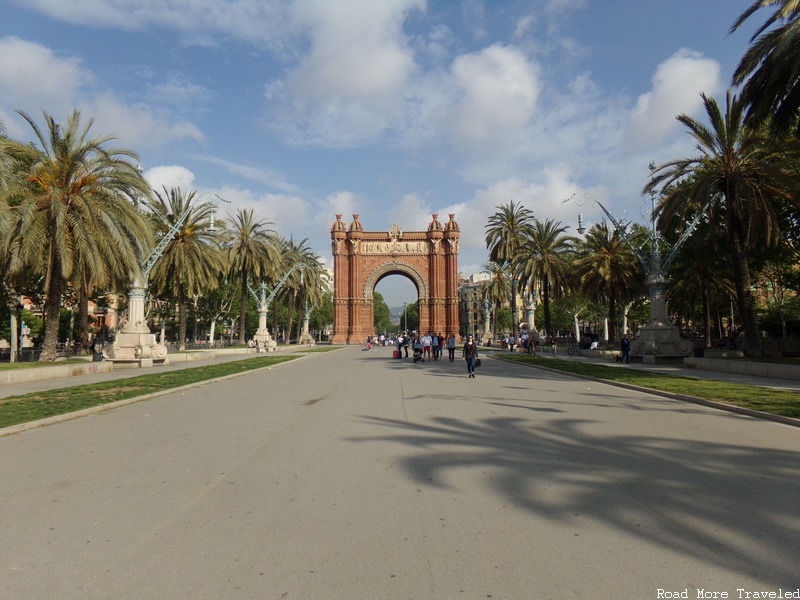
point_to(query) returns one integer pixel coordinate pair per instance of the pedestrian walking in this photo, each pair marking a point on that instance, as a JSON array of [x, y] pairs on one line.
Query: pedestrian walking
[[625, 345], [470, 354], [451, 347]]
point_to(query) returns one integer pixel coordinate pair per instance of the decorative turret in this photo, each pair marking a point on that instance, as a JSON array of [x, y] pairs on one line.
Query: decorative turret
[[338, 225], [356, 225], [451, 224], [435, 225]]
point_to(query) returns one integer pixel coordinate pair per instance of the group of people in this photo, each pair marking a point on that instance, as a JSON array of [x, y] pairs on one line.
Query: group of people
[[431, 346]]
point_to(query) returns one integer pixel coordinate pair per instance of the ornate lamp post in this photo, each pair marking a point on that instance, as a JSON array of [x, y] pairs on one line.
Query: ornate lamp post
[[262, 335], [487, 308], [658, 339], [134, 344]]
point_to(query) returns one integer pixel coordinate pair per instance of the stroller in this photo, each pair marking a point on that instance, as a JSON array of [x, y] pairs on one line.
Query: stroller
[[417, 353]]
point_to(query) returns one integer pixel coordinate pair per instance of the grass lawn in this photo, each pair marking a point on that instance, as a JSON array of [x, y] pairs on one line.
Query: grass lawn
[[777, 402], [31, 407]]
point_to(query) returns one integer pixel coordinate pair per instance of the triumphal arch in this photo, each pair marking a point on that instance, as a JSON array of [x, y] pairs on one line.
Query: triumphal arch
[[362, 258]]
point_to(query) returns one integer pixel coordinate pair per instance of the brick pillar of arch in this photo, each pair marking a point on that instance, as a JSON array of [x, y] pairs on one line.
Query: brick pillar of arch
[[361, 259]]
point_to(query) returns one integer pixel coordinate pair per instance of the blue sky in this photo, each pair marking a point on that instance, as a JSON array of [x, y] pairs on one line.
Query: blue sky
[[393, 109]]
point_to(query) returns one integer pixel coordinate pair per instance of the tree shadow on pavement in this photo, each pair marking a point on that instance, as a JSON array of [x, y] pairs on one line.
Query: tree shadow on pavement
[[726, 505]]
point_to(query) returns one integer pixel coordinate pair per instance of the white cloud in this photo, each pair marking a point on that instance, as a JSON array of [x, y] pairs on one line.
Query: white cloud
[[350, 86], [32, 75], [677, 84], [201, 22], [411, 214], [138, 125], [495, 94], [169, 176]]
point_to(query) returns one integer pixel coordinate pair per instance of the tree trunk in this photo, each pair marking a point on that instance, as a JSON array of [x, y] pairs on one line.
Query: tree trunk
[[546, 289], [612, 315], [181, 319], [741, 280], [243, 310], [52, 310], [514, 315], [83, 321], [14, 325], [707, 317], [290, 309]]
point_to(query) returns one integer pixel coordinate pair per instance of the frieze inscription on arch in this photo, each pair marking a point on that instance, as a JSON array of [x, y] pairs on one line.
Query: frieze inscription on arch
[[362, 258]]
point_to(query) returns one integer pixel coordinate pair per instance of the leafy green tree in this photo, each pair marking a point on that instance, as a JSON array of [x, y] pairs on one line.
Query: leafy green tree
[[769, 71], [701, 275], [216, 305], [72, 210], [322, 315], [505, 233], [382, 319], [193, 260], [412, 317], [748, 172], [504, 319]]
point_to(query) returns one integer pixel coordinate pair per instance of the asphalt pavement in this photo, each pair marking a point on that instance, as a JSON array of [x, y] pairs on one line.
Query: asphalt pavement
[[350, 475]]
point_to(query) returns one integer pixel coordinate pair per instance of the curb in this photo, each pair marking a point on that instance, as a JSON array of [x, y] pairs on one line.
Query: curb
[[791, 421], [103, 408]]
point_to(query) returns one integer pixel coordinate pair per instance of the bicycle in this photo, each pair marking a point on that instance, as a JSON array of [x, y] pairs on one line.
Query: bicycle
[[573, 349]]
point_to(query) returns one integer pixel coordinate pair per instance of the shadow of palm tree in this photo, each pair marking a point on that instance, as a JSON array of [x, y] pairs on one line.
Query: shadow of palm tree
[[725, 505]]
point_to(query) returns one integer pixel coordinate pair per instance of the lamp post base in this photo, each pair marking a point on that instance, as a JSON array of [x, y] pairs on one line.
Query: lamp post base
[[135, 349], [265, 341], [660, 343]]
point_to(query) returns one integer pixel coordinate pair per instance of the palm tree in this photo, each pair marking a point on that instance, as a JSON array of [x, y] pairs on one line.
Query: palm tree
[[310, 290], [497, 289], [253, 254], [607, 269], [749, 171], [769, 71], [542, 262], [194, 260], [297, 284], [72, 207], [505, 232]]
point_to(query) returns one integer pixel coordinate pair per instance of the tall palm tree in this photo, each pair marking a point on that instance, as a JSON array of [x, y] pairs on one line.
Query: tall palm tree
[[72, 206], [310, 290], [253, 254], [497, 289], [505, 233], [542, 262], [769, 71], [749, 171], [294, 253], [607, 269], [194, 259]]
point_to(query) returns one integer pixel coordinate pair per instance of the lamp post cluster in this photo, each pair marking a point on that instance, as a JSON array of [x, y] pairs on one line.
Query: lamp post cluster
[[658, 338]]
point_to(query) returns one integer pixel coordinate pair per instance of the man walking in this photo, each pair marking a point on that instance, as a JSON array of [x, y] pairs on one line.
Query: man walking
[[625, 345]]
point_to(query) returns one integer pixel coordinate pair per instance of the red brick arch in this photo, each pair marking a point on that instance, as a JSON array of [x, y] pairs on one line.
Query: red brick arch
[[361, 259]]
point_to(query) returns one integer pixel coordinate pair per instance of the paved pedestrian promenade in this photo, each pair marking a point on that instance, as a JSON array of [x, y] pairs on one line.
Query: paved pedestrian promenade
[[349, 475]]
